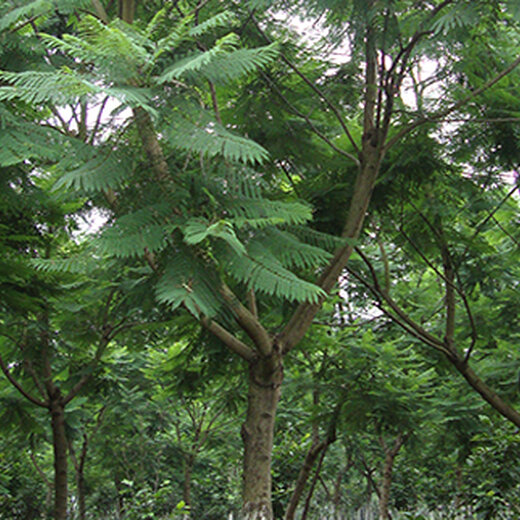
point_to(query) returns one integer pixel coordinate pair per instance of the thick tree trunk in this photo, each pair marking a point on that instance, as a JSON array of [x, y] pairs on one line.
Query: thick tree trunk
[[265, 378], [59, 439]]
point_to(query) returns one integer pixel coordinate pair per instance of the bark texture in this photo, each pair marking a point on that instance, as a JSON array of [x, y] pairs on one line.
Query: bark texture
[[386, 479], [265, 378], [189, 461], [59, 440]]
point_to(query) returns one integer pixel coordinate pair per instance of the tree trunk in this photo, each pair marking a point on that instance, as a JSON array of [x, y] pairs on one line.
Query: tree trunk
[[386, 482], [80, 483], [186, 486], [59, 439], [458, 486], [336, 501], [386, 479], [312, 487], [265, 378], [303, 476], [79, 469], [119, 499]]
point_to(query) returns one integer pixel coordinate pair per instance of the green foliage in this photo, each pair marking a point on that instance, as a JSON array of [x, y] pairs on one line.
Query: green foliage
[[186, 282], [88, 170], [260, 269], [57, 87], [211, 139], [236, 179], [222, 63]]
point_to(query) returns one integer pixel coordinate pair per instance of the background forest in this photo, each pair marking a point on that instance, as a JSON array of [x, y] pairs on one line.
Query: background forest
[[259, 260]]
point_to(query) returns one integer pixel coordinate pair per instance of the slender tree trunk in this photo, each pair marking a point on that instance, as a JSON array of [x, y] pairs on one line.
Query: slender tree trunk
[[386, 482], [265, 378], [48, 484], [59, 439], [79, 469], [119, 499], [337, 487], [386, 479], [303, 476], [186, 486], [80, 483], [312, 487], [458, 487]]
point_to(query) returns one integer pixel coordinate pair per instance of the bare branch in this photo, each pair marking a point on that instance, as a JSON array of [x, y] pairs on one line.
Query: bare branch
[[251, 300], [455, 106], [423, 334], [19, 387], [456, 287], [42, 474], [29, 367], [233, 343], [86, 377], [312, 85], [311, 125], [249, 323], [97, 124]]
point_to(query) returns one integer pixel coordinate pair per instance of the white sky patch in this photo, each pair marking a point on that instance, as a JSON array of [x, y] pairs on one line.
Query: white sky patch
[[90, 223]]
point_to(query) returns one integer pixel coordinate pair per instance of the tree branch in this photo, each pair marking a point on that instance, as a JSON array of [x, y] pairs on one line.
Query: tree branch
[[455, 287], [249, 323], [418, 329], [18, 386], [459, 104], [105, 340], [233, 343], [311, 125], [100, 11], [313, 86]]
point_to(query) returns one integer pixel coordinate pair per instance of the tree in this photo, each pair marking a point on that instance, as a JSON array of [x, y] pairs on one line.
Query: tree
[[223, 255]]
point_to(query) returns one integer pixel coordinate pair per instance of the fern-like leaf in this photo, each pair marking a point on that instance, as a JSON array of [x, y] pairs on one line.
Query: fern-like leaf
[[262, 213], [193, 64], [197, 230], [223, 19], [23, 142], [76, 265], [58, 87], [138, 232], [262, 271], [293, 253], [212, 139], [186, 282], [95, 174], [30, 10], [239, 63]]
